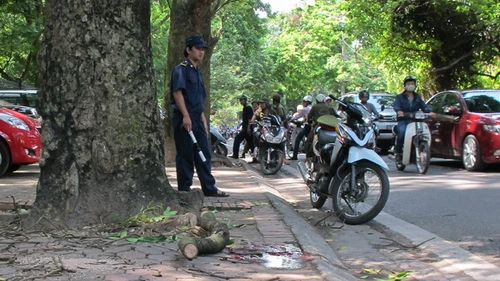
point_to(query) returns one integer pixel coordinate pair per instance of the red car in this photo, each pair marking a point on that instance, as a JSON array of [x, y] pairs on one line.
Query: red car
[[20, 140], [466, 127]]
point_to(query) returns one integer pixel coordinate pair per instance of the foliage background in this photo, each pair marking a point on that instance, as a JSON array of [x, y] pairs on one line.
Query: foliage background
[[330, 47]]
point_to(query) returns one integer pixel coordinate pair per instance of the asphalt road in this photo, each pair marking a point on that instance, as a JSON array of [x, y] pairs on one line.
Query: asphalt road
[[449, 202], [457, 205]]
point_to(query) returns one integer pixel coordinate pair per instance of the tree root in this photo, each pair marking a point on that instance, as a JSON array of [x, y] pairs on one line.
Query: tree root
[[191, 247]]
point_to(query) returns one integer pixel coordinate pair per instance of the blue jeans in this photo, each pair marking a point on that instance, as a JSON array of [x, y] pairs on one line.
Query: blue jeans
[[400, 138]]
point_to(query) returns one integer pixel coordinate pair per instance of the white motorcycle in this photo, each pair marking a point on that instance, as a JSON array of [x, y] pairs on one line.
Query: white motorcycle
[[417, 143], [346, 168]]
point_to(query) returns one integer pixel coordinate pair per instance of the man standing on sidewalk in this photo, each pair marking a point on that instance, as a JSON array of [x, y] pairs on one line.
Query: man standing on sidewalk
[[187, 98], [246, 131]]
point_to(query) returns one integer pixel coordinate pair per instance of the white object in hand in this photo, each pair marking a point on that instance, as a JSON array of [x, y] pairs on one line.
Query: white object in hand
[[202, 156]]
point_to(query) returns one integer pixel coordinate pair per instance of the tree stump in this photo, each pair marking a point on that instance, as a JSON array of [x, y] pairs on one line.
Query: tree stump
[[191, 247]]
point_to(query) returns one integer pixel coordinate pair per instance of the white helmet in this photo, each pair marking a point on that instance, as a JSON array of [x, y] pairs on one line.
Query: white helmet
[[308, 98], [320, 98]]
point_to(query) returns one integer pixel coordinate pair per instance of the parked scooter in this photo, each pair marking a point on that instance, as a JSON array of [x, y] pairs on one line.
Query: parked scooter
[[346, 168], [417, 143], [269, 140], [218, 142]]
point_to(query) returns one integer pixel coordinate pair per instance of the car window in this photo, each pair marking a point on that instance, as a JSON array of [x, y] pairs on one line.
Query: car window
[[436, 104], [482, 102], [20, 98], [386, 101], [451, 99]]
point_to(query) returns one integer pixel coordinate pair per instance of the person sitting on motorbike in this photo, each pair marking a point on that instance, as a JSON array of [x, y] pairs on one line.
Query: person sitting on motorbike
[[266, 110], [319, 109], [407, 101], [364, 96], [306, 107]]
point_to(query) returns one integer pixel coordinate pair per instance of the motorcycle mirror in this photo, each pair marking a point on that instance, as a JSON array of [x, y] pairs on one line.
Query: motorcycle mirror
[[382, 107]]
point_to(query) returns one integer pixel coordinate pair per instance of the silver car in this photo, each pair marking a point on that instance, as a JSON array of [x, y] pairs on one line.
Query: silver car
[[383, 102]]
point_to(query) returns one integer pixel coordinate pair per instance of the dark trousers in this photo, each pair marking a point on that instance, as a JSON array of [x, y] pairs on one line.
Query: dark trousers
[[300, 136], [242, 135], [187, 157], [400, 137]]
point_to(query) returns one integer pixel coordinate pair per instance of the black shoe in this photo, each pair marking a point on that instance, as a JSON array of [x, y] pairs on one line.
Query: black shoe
[[293, 158], [243, 155], [234, 156]]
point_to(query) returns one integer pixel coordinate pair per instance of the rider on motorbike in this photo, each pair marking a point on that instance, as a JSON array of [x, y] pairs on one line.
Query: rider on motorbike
[[318, 110], [407, 102], [364, 96]]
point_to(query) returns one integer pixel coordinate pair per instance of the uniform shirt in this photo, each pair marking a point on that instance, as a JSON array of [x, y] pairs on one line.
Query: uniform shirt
[[317, 111], [280, 111], [188, 78], [403, 103]]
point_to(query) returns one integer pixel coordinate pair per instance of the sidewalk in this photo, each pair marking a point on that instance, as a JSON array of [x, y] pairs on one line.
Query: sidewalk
[[271, 242]]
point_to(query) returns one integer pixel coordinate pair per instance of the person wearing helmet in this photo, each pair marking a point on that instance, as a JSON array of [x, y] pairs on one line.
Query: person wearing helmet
[[407, 101], [306, 108], [364, 96]]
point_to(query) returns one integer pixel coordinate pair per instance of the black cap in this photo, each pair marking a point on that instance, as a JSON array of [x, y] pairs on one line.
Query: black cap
[[196, 41], [243, 97]]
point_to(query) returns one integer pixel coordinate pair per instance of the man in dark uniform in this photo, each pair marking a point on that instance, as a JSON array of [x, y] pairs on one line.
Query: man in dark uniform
[[246, 131], [187, 97]]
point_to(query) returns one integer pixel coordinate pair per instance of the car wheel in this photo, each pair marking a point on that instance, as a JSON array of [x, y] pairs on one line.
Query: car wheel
[[13, 168], [4, 158], [471, 154]]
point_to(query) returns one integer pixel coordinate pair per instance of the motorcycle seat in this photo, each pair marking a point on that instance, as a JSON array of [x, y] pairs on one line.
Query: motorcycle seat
[[325, 137]]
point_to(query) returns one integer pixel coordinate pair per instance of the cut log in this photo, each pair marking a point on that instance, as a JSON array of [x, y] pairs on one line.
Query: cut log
[[191, 247]]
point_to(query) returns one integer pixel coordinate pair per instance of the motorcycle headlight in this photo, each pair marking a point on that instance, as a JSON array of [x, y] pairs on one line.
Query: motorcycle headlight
[[492, 128], [270, 138], [344, 136], [419, 115], [14, 121]]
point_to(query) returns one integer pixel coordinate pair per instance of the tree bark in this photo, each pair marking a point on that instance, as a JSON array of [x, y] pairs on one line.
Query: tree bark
[[103, 154], [191, 247], [188, 17]]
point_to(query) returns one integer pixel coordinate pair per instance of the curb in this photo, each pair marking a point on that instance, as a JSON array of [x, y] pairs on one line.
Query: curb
[[324, 258]]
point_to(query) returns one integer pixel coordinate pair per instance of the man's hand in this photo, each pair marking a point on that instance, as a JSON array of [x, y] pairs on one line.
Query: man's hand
[[186, 123], [401, 113]]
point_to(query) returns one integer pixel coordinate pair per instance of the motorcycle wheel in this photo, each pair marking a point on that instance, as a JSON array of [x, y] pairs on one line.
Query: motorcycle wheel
[[367, 199], [317, 201], [220, 149], [422, 157], [275, 161]]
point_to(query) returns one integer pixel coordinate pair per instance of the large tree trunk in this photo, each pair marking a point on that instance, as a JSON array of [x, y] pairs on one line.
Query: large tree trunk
[[103, 155], [188, 17]]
